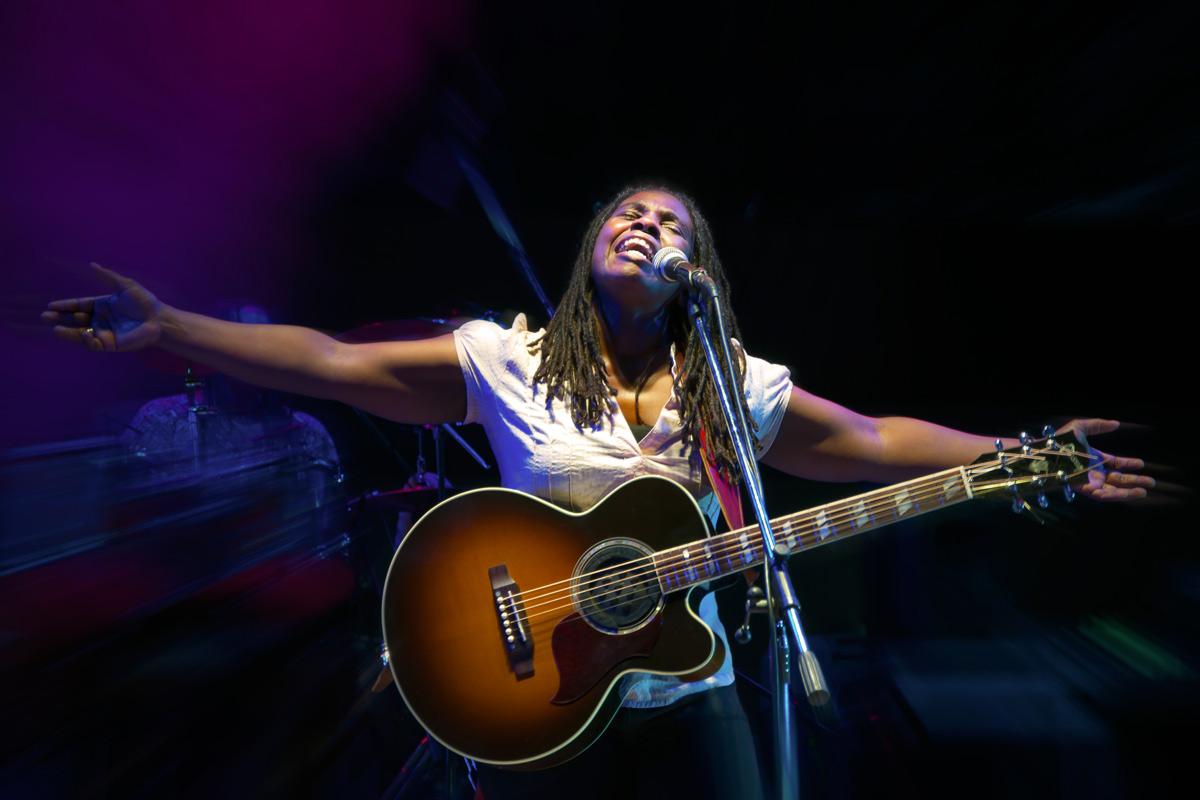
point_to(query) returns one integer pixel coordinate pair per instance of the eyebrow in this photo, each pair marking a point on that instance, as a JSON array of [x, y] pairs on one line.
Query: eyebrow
[[666, 213]]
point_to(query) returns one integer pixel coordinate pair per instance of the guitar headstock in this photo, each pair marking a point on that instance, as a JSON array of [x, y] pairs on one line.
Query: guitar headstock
[[1035, 467]]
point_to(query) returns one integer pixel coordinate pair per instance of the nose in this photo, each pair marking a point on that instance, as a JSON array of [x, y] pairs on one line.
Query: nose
[[646, 224]]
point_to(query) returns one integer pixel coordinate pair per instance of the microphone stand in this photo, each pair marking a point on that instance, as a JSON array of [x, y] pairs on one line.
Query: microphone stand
[[783, 609]]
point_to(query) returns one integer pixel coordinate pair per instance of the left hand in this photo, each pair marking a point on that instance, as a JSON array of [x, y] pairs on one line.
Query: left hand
[[1113, 479]]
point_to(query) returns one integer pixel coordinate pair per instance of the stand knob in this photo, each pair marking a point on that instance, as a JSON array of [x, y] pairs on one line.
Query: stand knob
[[756, 603]]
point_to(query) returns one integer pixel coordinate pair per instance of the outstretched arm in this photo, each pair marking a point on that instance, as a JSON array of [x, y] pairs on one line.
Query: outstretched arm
[[415, 382], [821, 440]]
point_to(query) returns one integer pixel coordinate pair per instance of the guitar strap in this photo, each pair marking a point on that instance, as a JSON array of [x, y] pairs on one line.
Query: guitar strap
[[728, 496]]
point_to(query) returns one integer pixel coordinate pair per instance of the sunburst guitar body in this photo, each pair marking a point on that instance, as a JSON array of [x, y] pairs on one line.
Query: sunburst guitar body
[[511, 623], [503, 660]]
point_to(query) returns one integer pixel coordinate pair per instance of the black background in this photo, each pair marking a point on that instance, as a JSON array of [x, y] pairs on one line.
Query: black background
[[982, 215]]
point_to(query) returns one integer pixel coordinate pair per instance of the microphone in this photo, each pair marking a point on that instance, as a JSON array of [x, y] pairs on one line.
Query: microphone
[[672, 265]]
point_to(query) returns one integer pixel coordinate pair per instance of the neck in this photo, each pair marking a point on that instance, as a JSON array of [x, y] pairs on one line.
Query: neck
[[630, 336], [739, 550]]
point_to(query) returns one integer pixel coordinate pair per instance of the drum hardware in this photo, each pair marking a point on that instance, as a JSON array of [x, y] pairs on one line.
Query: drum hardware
[[400, 330], [196, 391], [384, 678], [463, 444], [420, 493]]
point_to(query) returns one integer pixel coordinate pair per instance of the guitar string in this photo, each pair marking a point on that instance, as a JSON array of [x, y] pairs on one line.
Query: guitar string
[[843, 512], [531, 594], [728, 543], [579, 579], [621, 571], [806, 536], [676, 569], [725, 544], [756, 558]]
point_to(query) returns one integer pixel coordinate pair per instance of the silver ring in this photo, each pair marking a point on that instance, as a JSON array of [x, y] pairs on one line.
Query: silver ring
[[90, 331]]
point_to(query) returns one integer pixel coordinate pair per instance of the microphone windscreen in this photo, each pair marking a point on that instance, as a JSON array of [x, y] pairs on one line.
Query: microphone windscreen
[[668, 254]]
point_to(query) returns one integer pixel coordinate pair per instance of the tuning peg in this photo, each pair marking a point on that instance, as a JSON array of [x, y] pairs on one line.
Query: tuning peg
[[1018, 504], [1036, 517], [1048, 433], [1040, 485], [1003, 456], [1068, 492]]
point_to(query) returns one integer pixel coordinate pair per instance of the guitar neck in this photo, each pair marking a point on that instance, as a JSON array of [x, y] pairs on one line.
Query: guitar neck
[[742, 549]]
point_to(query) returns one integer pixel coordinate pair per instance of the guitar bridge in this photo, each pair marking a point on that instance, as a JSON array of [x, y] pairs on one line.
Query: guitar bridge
[[515, 634]]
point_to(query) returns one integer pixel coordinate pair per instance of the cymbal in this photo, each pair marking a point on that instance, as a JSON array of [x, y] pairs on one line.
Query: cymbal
[[161, 361], [399, 330]]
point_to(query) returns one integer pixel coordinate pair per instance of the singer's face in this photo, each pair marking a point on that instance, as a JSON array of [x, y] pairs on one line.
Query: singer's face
[[622, 263]]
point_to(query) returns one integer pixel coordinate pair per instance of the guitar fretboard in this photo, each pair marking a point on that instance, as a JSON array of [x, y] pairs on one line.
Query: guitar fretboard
[[681, 567]]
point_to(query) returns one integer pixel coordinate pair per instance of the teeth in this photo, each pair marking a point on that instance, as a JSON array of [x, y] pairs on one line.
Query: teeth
[[638, 243]]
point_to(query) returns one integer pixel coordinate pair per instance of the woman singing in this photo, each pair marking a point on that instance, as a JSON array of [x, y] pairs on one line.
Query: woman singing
[[614, 388]]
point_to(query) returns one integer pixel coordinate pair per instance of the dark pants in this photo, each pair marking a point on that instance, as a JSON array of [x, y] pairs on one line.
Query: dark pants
[[697, 747]]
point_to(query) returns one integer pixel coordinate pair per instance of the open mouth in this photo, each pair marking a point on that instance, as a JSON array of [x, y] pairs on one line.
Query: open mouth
[[636, 243]]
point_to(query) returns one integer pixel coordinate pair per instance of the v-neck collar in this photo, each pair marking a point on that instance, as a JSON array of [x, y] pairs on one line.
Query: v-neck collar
[[669, 405]]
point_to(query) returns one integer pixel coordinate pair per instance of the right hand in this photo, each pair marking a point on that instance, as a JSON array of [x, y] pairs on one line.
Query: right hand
[[128, 319]]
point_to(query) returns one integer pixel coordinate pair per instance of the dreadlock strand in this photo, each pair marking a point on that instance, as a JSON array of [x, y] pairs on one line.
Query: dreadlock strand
[[572, 364]]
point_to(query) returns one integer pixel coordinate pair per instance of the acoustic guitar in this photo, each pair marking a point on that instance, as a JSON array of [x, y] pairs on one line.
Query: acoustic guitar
[[511, 623]]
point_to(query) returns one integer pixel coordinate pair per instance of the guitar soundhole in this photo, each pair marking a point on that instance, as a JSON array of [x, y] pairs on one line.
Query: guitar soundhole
[[616, 589]]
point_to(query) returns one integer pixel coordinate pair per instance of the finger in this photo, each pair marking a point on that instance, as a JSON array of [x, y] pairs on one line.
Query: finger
[[80, 336], [1129, 481], [1108, 493], [1098, 425], [74, 335], [1123, 463], [86, 304], [79, 319], [116, 280], [90, 338], [106, 338]]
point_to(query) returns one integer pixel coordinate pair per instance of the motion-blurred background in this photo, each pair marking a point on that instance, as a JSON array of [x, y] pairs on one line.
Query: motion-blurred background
[[979, 214]]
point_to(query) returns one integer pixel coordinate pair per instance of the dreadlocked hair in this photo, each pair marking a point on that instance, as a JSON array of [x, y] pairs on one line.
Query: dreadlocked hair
[[572, 365]]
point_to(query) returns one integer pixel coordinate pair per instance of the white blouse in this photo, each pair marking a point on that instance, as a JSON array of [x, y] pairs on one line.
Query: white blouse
[[539, 450]]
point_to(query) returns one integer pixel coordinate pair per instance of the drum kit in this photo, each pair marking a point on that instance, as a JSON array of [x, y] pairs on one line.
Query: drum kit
[[423, 488], [420, 493], [403, 504]]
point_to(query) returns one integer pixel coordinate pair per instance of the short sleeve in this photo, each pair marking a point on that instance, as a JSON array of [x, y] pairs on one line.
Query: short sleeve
[[491, 357], [768, 388]]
